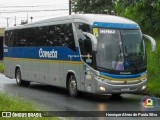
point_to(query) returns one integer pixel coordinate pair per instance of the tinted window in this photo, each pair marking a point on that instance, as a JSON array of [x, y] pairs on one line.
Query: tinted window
[[61, 35], [9, 38], [7, 34], [30, 37], [19, 38], [41, 36], [55, 35], [69, 37], [83, 27]]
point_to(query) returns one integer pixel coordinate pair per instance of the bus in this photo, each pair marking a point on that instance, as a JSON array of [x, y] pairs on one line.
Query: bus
[[100, 54]]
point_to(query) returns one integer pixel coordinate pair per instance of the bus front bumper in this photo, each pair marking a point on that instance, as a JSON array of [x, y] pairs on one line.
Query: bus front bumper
[[123, 86]]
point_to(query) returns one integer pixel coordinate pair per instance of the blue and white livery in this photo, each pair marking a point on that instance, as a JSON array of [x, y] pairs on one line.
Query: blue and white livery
[[100, 54]]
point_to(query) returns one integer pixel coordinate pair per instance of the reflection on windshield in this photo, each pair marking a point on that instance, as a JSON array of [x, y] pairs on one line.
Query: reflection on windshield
[[133, 48], [132, 42], [108, 48], [119, 49]]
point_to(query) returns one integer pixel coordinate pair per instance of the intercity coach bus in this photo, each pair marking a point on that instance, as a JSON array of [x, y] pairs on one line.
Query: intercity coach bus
[[99, 54]]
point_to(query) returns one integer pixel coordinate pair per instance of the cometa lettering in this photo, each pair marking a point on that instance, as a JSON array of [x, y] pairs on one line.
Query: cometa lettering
[[47, 54]]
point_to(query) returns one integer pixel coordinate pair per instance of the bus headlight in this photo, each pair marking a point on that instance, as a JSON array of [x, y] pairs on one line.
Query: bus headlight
[[102, 88]]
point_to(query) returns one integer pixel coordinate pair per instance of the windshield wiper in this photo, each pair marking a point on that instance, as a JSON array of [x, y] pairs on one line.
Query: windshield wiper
[[102, 68]]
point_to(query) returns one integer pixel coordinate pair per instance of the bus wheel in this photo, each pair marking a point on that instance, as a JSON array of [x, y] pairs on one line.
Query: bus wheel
[[72, 86], [19, 80]]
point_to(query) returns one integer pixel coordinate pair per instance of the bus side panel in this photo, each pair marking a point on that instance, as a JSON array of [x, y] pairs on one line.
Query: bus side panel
[[34, 70], [12, 68], [39, 72], [27, 70], [7, 67], [43, 75], [62, 78], [54, 73], [82, 77]]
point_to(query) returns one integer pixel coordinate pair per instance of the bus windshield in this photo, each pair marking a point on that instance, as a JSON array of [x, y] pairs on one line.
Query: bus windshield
[[119, 50]]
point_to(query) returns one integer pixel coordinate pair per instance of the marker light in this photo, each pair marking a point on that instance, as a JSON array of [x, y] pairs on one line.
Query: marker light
[[144, 87]]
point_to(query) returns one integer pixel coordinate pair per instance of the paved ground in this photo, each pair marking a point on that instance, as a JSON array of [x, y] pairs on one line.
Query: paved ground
[[57, 99]]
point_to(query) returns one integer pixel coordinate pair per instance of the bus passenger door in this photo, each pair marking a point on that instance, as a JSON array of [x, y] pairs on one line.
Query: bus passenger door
[[87, 56], [85, 45]]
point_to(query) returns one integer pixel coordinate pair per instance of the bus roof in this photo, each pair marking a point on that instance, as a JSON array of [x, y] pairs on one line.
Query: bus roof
[[92, 19], [110, 21]]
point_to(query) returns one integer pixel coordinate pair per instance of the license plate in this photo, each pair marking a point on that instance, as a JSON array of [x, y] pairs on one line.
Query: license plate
[[125, 89]]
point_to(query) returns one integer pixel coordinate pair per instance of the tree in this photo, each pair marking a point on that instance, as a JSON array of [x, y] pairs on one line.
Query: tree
[[145, 12], [93, 6]]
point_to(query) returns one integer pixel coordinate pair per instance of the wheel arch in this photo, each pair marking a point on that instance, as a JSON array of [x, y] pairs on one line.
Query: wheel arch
[[16, 68], [69, 73]]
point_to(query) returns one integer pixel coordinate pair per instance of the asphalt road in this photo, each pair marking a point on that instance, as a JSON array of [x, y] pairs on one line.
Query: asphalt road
[[57, 99]]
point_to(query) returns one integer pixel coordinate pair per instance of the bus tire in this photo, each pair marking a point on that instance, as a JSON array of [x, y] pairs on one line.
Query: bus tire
[[19, 80], [116, 94], [26, 84], [72, 86]]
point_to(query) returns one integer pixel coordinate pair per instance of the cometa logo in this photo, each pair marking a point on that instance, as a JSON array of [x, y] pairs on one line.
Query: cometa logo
[[47, 54]]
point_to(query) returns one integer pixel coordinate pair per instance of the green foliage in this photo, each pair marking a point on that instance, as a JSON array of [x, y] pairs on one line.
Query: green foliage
[[18, 104], [93, 6], [145, 12], [153, 63], [1, 67], [14, 104]]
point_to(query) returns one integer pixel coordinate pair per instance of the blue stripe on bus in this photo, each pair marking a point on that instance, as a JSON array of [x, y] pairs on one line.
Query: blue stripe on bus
[[122, 76], [64, 53], [115, 25]]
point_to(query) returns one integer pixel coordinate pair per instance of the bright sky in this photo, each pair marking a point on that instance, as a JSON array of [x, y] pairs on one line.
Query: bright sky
[[38, 9]]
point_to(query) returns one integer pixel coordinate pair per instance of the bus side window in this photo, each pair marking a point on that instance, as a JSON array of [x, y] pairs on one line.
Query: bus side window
[[69, 37], [30, 38], [11, 39], [41, 36], [61, 35], [6, 38], [20, 38], [53, 35]]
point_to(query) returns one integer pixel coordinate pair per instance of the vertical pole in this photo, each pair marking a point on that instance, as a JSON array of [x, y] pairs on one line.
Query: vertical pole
[[15, 21], [69, 7], [7, 21], [27, 18]]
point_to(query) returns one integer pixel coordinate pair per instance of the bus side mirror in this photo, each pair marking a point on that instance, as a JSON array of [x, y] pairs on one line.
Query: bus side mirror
[[153, 42], [93, 40]]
